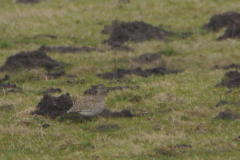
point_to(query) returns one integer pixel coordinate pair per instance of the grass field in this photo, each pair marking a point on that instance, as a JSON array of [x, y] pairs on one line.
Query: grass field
[[180, 107]]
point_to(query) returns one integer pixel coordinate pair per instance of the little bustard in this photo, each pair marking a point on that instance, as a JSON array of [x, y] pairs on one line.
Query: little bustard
[[91, 105]]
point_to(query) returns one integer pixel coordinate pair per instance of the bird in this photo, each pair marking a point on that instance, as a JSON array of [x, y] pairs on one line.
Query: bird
[[90, 106]]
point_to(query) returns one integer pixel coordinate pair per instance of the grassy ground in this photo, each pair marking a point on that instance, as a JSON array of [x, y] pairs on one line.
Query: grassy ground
[[180, 107]]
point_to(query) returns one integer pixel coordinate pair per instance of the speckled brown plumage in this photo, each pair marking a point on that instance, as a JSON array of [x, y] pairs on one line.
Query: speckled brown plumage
[[91, 105]]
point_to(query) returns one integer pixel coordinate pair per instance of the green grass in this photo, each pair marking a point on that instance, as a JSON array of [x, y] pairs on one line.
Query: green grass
[[180, 108]]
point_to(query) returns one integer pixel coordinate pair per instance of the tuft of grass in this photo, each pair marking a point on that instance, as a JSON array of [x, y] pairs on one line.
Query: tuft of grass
[[4, 44]]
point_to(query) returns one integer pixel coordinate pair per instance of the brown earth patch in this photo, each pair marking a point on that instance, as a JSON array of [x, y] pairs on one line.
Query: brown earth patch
[[138, 71], [232, 31], [232, 65], [219, 21], [231, 79], [136, 31], [69, 49], [94, 89], [227, 115], [53, 106], [29, 60], [10, 87]]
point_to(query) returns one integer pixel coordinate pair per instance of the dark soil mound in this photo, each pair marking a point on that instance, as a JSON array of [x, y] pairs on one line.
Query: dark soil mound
[[28, 1], [124, 113], [147, 58], [10, 87], [221, 103], [67, 49], [219, 21], [52, 90], [138, 71], [136, 31], [233, 65], [227, 115], [93, 89], [28, 60], [231, 80], [232, 31], [53, 106], [107, 127]]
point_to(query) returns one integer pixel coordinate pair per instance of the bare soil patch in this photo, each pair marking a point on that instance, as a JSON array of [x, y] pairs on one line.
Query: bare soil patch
[[69, 49], [219, 21], [232, 31], [136, 31], [29, 60], [53, 106], [94, 89], [232, 65], [231, 80], [231, 20], [227, 115], [138, 71], [10, 87]]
